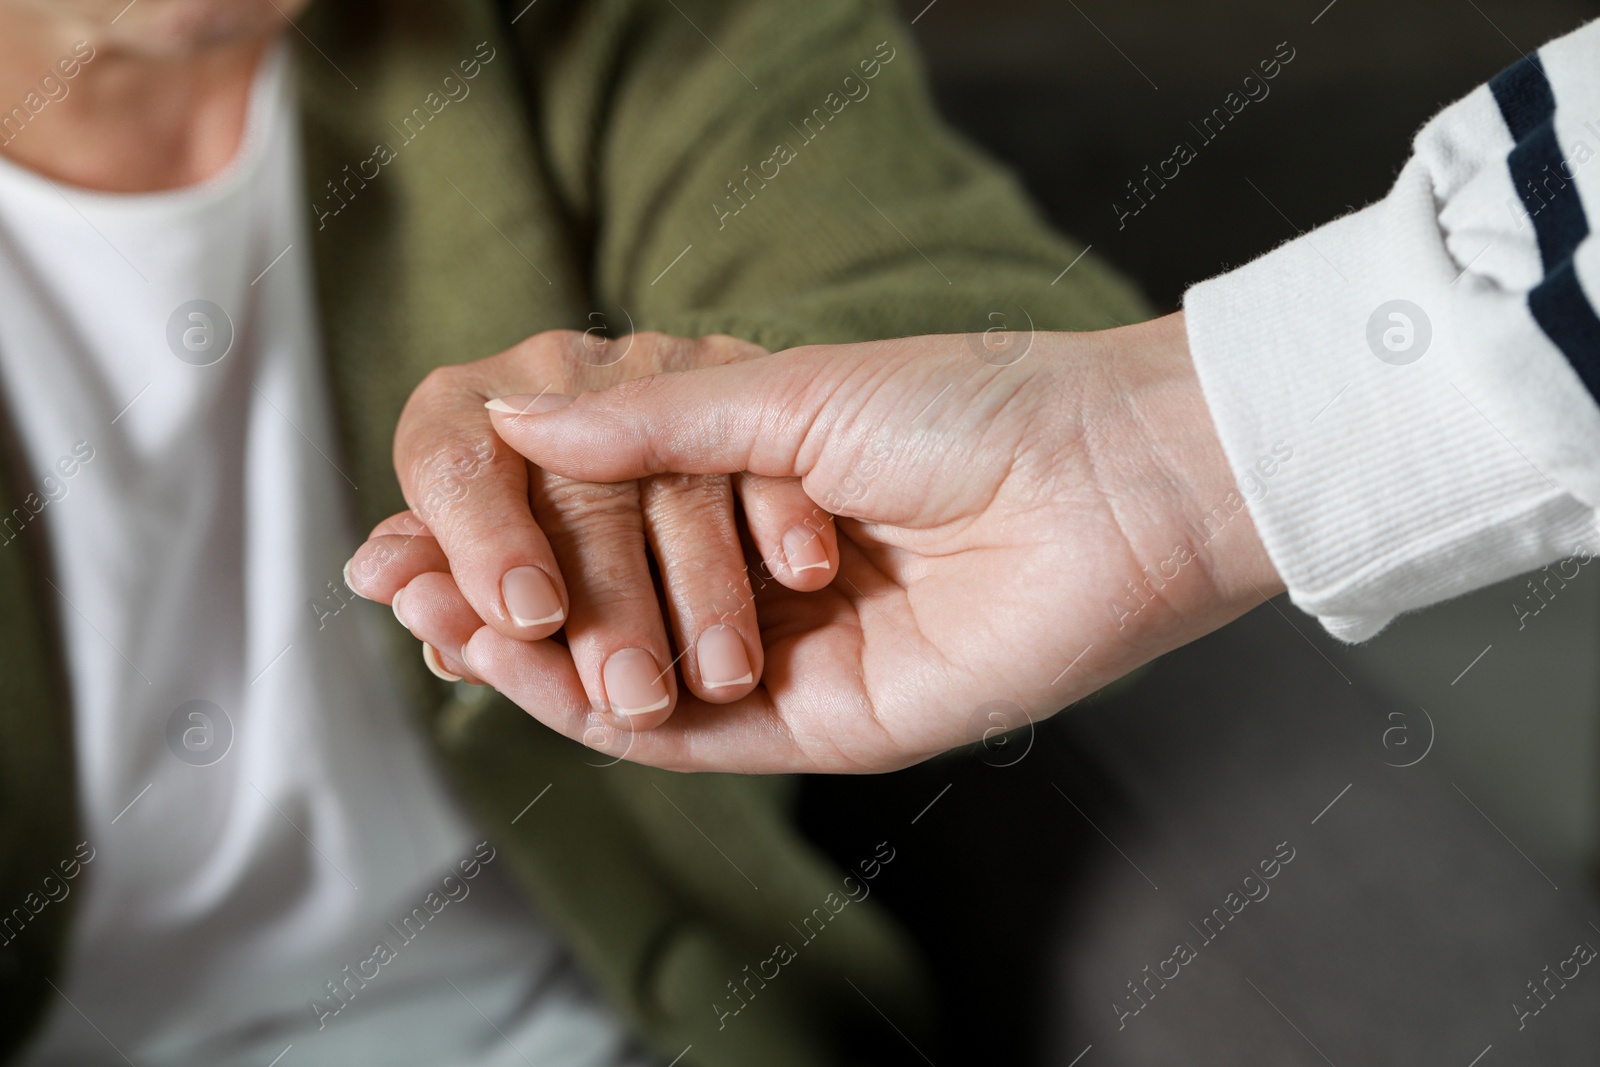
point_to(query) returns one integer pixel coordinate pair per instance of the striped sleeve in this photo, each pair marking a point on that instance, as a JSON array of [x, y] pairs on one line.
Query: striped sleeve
[[1540, 171], [1430, 363]]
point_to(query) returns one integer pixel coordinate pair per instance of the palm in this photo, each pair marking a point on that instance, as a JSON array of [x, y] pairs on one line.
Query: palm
[[898, 657], [999, 533]]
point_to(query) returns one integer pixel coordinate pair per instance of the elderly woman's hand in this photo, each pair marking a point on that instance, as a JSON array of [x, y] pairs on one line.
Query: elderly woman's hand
[[492, 540]]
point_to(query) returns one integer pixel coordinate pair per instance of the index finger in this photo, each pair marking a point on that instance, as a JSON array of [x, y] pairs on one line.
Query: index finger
[[472, 493]]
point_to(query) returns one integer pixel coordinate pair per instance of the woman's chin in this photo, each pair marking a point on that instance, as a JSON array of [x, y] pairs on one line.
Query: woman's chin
[[169, 29]]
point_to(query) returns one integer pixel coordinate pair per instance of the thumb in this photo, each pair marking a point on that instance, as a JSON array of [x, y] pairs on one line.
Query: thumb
[[754, 416]]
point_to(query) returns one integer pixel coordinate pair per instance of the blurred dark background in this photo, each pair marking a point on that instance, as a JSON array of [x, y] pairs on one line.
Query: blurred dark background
[[1077, 97]]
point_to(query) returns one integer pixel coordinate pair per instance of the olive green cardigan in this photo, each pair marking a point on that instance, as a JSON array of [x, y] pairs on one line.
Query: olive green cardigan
[[481, 171]]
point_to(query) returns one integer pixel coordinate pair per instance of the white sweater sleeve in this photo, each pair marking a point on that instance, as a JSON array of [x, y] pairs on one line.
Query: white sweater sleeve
[[1408, 394]]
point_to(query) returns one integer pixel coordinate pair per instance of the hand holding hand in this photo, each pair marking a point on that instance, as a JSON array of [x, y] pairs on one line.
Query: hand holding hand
[[1025, 533], [493, 542]]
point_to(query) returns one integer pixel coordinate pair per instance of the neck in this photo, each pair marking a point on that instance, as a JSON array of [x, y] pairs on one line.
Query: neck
[[124, 121]]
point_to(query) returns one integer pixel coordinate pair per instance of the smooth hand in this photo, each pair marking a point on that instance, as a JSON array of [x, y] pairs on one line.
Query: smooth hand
[[1010, 537]]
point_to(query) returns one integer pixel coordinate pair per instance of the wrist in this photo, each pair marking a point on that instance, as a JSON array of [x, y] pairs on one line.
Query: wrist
[[1194, 508]]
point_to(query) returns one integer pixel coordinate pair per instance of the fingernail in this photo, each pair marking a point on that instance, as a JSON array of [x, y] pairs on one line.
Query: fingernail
[[530, 598], [466, 660], [528, 403], [394, 606], [431, 658], [634, 684], [473, 677], [348, 584], [804, 550], [723, 660]]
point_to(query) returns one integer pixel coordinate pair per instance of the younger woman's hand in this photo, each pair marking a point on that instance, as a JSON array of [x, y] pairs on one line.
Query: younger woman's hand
[[1021, 534]]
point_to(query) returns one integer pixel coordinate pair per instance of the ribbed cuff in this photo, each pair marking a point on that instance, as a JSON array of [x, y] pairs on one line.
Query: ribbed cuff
[[1374, 474]]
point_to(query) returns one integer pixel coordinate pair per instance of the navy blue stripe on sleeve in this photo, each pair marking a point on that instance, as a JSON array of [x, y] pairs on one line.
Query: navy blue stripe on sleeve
[[1524, 95], [1565, 315], [1549, 197], [1538, 173], [1529, 108]]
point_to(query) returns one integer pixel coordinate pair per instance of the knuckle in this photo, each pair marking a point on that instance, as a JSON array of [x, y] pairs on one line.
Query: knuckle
[[544, 343], [721, 349], [543, 353], [441, 476], [610, 584], [694, 494], [404, 522], [440, 382], [628, 393], [591, 502]]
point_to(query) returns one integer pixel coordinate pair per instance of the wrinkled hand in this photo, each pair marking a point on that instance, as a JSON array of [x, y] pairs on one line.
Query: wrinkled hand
[[1020, 534], [492, 542]]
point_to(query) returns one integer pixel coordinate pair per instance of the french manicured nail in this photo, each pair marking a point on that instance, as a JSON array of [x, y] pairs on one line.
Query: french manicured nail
[[394, 606], [634, 684], [530, 598], [803, 548], [348, 584], [475, 676], [529, 404], [723, 660], [431, 657]]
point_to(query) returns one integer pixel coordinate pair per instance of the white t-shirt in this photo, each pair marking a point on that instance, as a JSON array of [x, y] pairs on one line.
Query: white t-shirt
[[249, 848]]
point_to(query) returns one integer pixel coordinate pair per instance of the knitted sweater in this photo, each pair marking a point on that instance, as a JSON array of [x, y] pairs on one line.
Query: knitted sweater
[[770, 170]]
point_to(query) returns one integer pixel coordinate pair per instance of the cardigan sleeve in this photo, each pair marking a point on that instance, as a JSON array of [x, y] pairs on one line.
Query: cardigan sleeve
[[777, 171], [1429, 365]]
